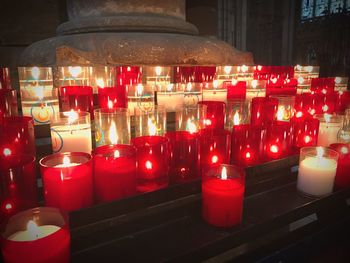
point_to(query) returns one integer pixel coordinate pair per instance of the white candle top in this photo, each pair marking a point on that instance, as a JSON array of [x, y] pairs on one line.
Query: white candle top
[[319, 164], [34, 232], [66, 163]]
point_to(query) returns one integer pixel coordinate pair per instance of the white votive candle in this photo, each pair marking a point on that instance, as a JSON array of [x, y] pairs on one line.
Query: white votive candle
[[170, 100], [328, 130], [317, 169]]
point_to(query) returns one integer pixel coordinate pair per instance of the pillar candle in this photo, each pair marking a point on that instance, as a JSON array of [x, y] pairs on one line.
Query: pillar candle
[[328, 129], [152, 155], [112, 97], [114, 172], [222, 196], [215, 117], [67, 179], [39, 235], [248, 143], [317, 169], [71, 131], [342, 177]]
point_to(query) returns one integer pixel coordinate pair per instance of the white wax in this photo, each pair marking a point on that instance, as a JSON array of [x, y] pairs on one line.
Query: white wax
[[214, 95], [66, 165], [170, 100], [316, 175], [192, 99], [71, 138], [28, 235], [327, 133]]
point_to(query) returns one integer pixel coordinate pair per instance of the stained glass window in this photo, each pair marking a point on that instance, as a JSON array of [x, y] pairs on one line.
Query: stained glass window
[[317, 8], [307, 9], [336, 6], [321, 7]]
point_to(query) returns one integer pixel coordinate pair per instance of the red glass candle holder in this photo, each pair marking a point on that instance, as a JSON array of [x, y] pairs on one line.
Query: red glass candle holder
[[18, 187], [279, 138], [342, 177], [302, 105], [152, 155], [317, 103], [17, 135], [305, 132], [114, 172], [36, 235], [112, 97], [222, 196], [8, 103], [127, 75], [285, 110], [67, 179], [235, 89], [184, 156], [263, 110], [247, 145], [5, 80], [215, 148], [215, 117], [204, 74], [342, 101], [78, 98], [323, 85]]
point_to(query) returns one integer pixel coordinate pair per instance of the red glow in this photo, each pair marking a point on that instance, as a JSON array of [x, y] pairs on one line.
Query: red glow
[[214, 159], [274, 148], [148, 165], [299, 114], [248, 155], [7, 152], [307, 139]]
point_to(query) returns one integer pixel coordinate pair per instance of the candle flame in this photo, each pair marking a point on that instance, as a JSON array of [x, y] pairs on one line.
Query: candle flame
[[227, 69], [319, 151], [274, 80], [274, 149], [148, 165], [244, 68], [309, 68], [113, 136], [337, 80], [192, 128], [224, 173], [280, 113], [189, 86], [327, 117], [170, 87], [247, 155], [74, 71], [234, 82], [236, 119], [139, 89], [307, 139], [116, 154], [33, 229], [72, 116], [300, 80], [254, 83], [100, 83], [152, 128], [158, 70], [215, 84], [325, 108], [344, 150], [214, 159], [259, 67], [7, 152], [299, 114], [110, 104], [66, 160], [39, 92], [298, 67], [35, 72]]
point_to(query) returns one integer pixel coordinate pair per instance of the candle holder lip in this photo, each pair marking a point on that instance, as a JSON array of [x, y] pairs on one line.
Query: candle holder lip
[[107, 111], [149, 141], [311, 151], [234, 172], [59, 156], [152, 109], [83, 116], [108, 150]]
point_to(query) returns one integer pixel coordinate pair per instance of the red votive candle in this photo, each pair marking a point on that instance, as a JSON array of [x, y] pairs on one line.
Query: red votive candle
[[247, 145], [322, 85], [18, 187], [38, 235], [235, 89], [152, 155], [215, 148], [342, 177], [263, 110], [77, 98], [67, 179], [302, 105], [215, 116], [17, 135], [112, 97], [305, 132], [222, 196], [114, 172], [184, 156], [342, 101], [127, 75], [5, 80], [317, 103], [279, 138], [8, 103]]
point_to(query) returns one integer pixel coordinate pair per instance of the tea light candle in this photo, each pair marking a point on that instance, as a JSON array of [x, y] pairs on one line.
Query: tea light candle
[[71, 131], [67, 179], [222, 196], [36, 235], [342, 177], [328, 129], [114, 172], [317, 170]]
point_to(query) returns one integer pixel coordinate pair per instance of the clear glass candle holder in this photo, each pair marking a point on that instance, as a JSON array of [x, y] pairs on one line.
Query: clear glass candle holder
[[140, 96], [158, 77], [192, 93], [170, 97], [101, 77], [341, 83], [222, 195], [330, 125], [255, 88], [5, 80], [237, 113], [37, 235], [38, 96], [150, 121], [112, 126], [191, 119], [71, 132], [285, 107], [72, 76], [212, 92], [317, 170], [8, 103]]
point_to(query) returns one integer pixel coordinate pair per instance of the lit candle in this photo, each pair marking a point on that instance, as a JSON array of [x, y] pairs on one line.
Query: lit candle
[[342, 178], [78, 98], [222, 196], [215, 93], [317, 169], [67, 179], [71, 131], [170, 98], [215, 114], [26, 239], [328, 129]]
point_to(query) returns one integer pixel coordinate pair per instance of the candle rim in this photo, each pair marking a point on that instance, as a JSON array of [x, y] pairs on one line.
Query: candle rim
[[311, 151], [125, 150], [56, 156]]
